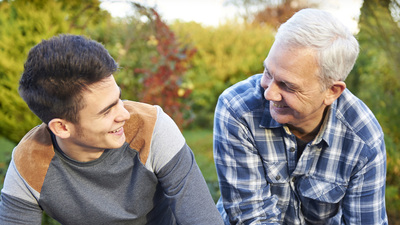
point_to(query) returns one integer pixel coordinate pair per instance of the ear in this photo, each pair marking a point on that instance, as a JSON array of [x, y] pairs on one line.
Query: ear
[[60, 128], [334, 92]]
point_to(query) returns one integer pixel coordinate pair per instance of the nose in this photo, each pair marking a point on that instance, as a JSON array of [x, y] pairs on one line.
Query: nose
[[272, 92], [123, 114]]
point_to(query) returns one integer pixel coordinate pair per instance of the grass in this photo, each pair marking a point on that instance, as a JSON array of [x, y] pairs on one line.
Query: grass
[[6, 148], [201, 143]]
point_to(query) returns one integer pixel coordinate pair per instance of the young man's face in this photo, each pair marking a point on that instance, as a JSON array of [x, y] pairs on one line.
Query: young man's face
[[292, 87], [102, 119]]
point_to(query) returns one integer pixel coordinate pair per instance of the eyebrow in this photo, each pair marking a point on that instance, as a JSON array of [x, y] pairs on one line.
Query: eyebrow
[[287, 83], [111, 105]]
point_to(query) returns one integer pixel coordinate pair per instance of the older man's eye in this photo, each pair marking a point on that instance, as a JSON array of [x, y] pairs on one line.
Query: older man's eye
[[286, 87], [267, 75]]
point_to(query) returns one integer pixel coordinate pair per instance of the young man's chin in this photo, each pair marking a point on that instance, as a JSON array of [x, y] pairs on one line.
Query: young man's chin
[[120, 141]]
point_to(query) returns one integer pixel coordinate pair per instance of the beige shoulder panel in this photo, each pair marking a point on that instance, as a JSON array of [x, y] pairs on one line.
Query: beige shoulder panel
[[33, 155], [139, 128]]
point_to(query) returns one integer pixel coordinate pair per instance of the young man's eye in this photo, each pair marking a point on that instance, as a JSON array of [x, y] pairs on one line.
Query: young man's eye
[[107, 112]]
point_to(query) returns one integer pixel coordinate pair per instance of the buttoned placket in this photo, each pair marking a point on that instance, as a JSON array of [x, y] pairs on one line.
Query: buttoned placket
[[291, 154], [303, 167]]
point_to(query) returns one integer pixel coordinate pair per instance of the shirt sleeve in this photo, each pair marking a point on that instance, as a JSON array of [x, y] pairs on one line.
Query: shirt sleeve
[[364, 202], [245, 193], [18, 205], [176, 169]]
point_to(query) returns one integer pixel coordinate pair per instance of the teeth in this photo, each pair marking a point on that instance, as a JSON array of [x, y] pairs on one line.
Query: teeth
[[278, 106], [115, 131]]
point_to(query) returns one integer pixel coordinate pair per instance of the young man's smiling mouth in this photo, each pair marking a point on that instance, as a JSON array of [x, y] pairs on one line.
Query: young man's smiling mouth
[[117, 131]]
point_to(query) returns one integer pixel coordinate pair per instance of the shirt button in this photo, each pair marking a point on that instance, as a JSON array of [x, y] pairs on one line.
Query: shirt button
[[292, 149], [278, 177]]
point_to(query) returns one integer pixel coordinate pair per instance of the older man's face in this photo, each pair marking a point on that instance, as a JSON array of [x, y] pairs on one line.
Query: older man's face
[[292, 86]]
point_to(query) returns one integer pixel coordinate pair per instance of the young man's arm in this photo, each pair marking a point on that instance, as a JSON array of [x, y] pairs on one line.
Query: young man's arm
[[17, 205], [187, 190], [180, 177]]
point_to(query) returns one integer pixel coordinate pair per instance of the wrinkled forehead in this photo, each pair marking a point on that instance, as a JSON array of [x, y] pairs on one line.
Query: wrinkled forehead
[[287, 52]]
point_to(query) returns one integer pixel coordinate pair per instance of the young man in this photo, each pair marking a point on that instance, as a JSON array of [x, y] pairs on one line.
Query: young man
[[97, 159], [293, 145]]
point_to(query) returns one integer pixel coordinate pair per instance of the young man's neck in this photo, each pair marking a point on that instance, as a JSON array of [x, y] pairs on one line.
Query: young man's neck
[[77, 153]]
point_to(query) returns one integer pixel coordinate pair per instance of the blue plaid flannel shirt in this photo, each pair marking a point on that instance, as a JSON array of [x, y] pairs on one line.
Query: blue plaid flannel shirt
[[339, 179]]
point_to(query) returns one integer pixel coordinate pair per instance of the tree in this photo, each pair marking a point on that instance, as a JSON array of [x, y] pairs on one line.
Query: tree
[[21, 29], [164, 80], [271, 12], [153, 61], [275, 15], [225, 55], [375, 79], [23, 25]]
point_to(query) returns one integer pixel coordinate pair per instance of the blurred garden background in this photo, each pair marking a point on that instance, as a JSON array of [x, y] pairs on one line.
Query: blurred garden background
[[184, 66]]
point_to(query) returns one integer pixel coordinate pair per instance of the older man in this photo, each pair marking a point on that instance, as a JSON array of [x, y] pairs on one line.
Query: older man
[[293, 145]]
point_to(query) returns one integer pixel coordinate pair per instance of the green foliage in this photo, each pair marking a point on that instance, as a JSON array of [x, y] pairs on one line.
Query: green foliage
[[375, 79], [152, 61], [22, 28], [225, 55], [23, 25], [163, 82], [47, 220], [5, 157], [127, 42]]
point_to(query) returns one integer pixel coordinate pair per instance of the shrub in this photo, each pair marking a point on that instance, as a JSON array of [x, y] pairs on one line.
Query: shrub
[[225, 55]]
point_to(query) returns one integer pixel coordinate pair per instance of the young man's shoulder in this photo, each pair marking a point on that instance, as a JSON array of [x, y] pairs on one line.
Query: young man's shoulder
[[146, 127], [33, 155]]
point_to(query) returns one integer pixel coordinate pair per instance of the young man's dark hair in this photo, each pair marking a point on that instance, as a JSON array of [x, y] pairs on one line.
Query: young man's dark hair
[[58, 70]]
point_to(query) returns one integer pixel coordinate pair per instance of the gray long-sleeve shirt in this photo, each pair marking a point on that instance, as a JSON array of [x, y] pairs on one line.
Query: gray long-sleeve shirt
[[152, 179]]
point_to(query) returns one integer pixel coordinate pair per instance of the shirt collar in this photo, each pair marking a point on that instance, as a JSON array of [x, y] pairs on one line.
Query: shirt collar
[[329, 126], [324, 134]]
